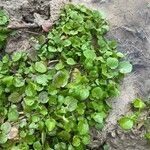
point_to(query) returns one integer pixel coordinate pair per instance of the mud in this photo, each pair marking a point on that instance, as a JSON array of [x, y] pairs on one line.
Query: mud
[[130, 26]]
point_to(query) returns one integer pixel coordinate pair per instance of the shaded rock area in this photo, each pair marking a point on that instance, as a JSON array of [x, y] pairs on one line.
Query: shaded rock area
[[130, 26]]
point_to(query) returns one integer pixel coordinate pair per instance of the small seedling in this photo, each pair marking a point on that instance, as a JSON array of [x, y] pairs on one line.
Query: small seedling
[[127, 122]]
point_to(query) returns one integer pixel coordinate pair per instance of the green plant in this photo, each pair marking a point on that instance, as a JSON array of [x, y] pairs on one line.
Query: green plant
[[52, 101], [3, 30], [127, 122]]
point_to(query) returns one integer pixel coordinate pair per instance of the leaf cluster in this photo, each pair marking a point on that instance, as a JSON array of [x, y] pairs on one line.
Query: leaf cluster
[[127, 122], [3, 30], [55, 99]]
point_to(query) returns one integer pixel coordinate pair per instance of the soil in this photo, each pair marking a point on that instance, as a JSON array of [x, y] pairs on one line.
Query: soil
[[130, 26]]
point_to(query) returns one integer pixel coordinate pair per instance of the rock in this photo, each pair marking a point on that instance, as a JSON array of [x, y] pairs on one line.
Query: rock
[[13, 133]]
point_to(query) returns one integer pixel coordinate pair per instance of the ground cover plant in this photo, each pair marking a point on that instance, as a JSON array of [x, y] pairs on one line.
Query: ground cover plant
[[3, 30], [128, 122], [52, 101]]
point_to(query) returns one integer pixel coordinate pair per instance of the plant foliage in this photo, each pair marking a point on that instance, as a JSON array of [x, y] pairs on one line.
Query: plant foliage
[[127, 122], [53, 101], [3, 30]]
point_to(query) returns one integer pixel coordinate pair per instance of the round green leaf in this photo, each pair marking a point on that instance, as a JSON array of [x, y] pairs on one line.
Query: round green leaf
[[3, 138], [104, 29], [6, 59], [52, 100], [99, 117], [138, 103], [126, 123], [3, 18], [59, 66], [30, 89], [35, 118], [67, 43], [125, 67], [43, 97], [16, 56], [76, 141], [83, 127], [80, 92], [119, 54], [113, 44], [40, 67], [70, 147], [84, 94], [29, 101], [19, 82], [60, 146], [37, 145], [64, 135], [6, 127], [86, 139], [15, 97], [61, 78], [13, 114], [43, 110], [112, 62], [147, 135], [42, 79], [29, 139], [81, 108], [52, 49], [50, 124], [8, 80], [97, 93], [89, 54], [23, 134], [71, 103], [70, 61]]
